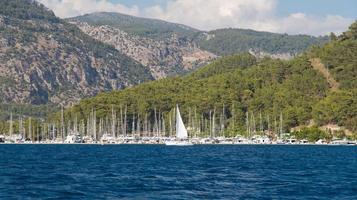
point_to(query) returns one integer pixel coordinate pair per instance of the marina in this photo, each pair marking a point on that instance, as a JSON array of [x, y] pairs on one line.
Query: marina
[[115, 131], [178, 99]]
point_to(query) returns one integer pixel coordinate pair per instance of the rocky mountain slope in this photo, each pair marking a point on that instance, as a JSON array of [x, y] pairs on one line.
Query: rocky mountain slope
[[169, 56], [170, 49], [45, 59], [165, 48]]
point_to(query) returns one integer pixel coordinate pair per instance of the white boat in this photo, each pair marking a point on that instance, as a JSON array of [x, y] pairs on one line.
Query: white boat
[[108, 139], [181, 138], [178, 143], [73, 138]]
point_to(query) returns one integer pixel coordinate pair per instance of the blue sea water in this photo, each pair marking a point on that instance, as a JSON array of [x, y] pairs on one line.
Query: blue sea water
[[162, 172]]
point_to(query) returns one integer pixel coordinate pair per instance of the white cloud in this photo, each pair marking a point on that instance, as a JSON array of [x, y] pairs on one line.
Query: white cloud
[[71, 8], [300, 23], [213, 14]]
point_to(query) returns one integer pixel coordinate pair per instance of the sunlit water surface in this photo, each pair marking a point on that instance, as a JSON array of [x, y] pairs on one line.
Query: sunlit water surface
[[161, 172]]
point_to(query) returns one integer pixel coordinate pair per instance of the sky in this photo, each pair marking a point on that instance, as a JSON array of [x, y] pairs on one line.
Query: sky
[[313, 17]]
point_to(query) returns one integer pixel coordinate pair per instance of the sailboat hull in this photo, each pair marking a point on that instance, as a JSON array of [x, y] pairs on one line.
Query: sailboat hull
[[178, 143]]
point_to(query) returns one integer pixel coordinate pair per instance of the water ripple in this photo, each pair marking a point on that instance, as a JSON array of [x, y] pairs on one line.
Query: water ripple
[[160, 172]]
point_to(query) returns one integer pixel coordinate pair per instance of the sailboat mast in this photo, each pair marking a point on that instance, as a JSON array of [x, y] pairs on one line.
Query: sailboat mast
[[94, 125], [281, 125], [62, 123], [21, 127], [30, 129], [125, 120], [247, 123], [210, 123], [195, 122], [11, 126], [260, 122], [138, 125], [133, 126], [163, 129], [213, 123], [113, 122], [170, 123], [222, 121]]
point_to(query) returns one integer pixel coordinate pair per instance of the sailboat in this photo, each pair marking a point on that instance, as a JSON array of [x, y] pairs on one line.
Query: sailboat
[[181, 138]]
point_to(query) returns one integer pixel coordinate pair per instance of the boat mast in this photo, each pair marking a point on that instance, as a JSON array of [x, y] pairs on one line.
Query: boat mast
[[100, 126], [253, 123], [214, 123], [94, 125], [247, 123], [113, 122], [163, 129], [146, 128], [133, 126], [30, 129], [125, 120], [75, 126], [223, 119], [261, 122], [62, 123], [276, 127], [281, 124], [194, 125], [21, 127], [158, 130], [170, 124], [138, 125], [210, 123], [268, 120], [11, 126]]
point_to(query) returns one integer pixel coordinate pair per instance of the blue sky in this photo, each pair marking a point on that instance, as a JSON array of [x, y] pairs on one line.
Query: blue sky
[[313, 17], [346, 8]]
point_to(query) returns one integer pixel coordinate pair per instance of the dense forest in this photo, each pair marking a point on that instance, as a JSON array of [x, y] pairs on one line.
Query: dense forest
[[233, 41], [233, 86]]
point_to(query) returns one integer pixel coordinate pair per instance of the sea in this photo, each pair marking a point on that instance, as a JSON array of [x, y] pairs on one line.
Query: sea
[[169, 172]]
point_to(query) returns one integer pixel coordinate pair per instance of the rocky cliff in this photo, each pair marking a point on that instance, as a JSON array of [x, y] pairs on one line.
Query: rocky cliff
[[164, 57], [45, 59]]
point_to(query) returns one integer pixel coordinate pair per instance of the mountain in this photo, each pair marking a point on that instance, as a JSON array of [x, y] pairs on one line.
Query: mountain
[[300, 89], [172, 49], [233, 41], [165, 48], [44, 59], [143, 27]]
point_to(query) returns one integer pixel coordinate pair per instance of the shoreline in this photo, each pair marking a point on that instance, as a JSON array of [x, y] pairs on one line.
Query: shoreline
[[162, 144]]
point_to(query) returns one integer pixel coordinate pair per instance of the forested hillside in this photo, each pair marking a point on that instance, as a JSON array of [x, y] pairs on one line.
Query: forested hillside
[[150, 28], [340, 58], [233, 41], [243, 84]]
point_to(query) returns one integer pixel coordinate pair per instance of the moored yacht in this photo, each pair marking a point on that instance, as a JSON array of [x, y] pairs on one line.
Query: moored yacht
[[181, 138], [73, 138]]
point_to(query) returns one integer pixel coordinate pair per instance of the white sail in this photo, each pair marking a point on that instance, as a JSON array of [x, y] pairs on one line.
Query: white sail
[[181, 131]]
